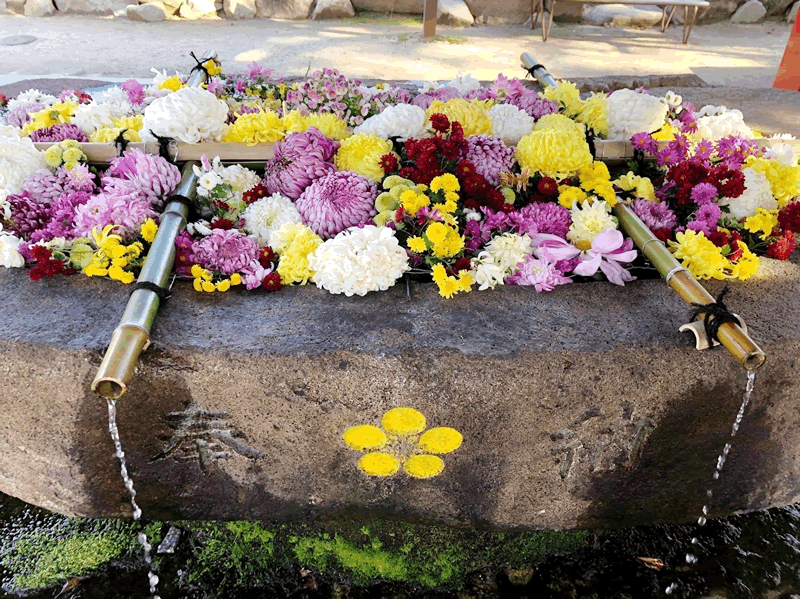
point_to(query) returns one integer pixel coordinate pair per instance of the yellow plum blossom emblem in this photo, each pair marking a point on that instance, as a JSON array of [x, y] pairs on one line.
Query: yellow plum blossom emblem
[[401, 442]]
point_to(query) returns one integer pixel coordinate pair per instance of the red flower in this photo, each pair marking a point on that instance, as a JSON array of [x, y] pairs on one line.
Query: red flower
[[789, 217], [736, 248], [258, 192], [718, 238], [389, 163], [220, 205], [407, 173], [497, 201], [221, 223], [783, 247], [461, 264], [730, 182], [456, 130], [547, 186], [41, 253], [664, 234], [272, 282], [465, 169], [267, 257], [399, 214], [440, 123], [3, 100]]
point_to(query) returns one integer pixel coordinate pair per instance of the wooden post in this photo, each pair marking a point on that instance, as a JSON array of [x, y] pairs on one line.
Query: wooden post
[[429, 19]]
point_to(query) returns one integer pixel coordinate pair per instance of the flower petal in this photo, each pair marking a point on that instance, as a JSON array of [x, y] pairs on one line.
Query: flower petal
[[365, 437], [423, 466], [440, 440], [379, 464], [403, 421]]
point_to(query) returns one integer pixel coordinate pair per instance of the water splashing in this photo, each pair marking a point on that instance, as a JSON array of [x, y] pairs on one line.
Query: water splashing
[[152, 578]]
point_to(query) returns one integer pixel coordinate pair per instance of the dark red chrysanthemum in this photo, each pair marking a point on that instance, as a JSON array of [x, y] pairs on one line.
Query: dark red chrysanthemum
[[465, 169], [730, 182], [221, 205], [736, 247], [456, 130], [258, 192], [783, 247], [41, 253], [664, 234], [407, 172], [461, 264], [440, 123], [789, 217], [389, 163], [718, 238], [267, 257], [272, 282], [221, 223], [547, 186]]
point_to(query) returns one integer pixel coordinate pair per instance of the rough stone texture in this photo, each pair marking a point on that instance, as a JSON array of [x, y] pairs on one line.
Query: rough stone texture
[[284, 9], [792, 14], [149, 13], [720, 10], [192, 11], [411, 7], [610, 84], [239, 9], [453, 12], [579, 408], [333, 9], [3, 8], [39, 8], [90, 7], [776, 7], [621, 15], [500, 13], [751, 11]]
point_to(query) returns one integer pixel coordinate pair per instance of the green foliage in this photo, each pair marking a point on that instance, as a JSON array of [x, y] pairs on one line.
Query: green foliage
[[383, 18]]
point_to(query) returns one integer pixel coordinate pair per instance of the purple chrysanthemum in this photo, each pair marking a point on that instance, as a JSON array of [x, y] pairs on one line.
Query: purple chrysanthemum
[[545, 217], [151, 176], [59, 133], [62, 217], [655, 215], [46, 186], [126, 209], [336, 202], [706, 219], [533, 104], [233, 115], [539, 272], [490, 156], [482, 93], [443, 93], [21, 114], [27, 214], [703, 193], [644, 141], [135, 91], [299, 160], [226, 251]]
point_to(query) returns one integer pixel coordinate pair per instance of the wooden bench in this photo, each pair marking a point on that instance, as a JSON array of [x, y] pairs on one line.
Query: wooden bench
[[690, 8]]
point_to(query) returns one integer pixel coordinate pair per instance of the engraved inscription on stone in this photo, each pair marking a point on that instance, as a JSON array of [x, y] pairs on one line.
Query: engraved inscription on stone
[[591, 444], [203, 436]]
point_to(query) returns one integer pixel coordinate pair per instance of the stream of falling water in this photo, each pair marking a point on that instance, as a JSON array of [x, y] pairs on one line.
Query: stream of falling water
[[152, 578], [691, 558]]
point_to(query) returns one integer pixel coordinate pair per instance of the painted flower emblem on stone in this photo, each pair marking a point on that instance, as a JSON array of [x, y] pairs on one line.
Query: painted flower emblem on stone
[[402, 441]]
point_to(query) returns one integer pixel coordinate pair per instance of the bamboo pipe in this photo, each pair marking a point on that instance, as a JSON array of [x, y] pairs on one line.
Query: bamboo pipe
[[132, 336], [730, 334], [540, 72]]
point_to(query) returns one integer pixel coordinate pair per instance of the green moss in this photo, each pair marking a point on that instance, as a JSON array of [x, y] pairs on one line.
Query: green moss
[[383, 18], [40, 562]]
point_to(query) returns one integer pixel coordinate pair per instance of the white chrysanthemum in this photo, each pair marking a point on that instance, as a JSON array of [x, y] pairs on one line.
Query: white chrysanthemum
[[632, 112], [509, 249], [757, 194], [93, 116], [783, 154], [673, 99], [200, 227], [716, 122], [486, 272], [240, 178], [510, 123], [190, 115], [9, 252], [115, 97], [464, 83], [403, 121], [160, 77], [19, 159], [31, 96], [358, 261], [588, 221], [263, 218]]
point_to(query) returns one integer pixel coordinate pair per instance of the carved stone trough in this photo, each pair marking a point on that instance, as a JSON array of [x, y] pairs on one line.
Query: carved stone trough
[[580, 408]]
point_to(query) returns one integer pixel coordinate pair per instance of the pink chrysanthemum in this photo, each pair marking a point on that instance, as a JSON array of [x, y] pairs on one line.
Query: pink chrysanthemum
[[337, 201], [27, 214], [62, 216], [21, 114], [542, 273], [443, 93], [226, 251], [299, 160], [59, 133], [545, 217], [80, 178], [655, 216], [490, 156], [112, 207], [148, 175], [46, 186], [533, 104]]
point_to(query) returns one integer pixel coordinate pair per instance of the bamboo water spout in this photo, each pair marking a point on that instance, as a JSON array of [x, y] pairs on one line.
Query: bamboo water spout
[[132, 336]]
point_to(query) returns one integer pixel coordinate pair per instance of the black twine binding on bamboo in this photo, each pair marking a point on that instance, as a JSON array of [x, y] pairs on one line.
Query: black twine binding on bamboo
[[534, 67], [200, 66], [186, 202], [121, 143], [590, 141], [716, 315], [163, 146], [162, 293]]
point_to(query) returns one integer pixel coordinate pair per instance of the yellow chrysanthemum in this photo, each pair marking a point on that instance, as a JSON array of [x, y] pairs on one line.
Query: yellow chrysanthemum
[[403, 422], [365, 437], [472, 116], [198, 272], [441, 440], [118, 274], [666, 133], [445, 240], [173, 84], [107, 135], [417, 245], [697, 253], [223, 285], [764, 221], [436, 232], [52, 156], [57, 114], [212, 68], [423, 466], [746, 265], [447, 183], [556, 153], [594, 112], [149, 230], [413, 201], [236, 279], [645, 190], [328, 124], [379, 464], [784, 180], [294, 242], [362, 154], [589, 219], [256, 128], [565, 93], [449, 285]]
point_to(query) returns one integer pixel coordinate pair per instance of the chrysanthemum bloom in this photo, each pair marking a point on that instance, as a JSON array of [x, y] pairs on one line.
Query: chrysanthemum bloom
[[225, 251], [189, 115], [295, 242], [565, 93], [27, 214], [546, 217], [588, 221], [473, 115], [757, 194], [510, 123], [490, 156], [607, 251], [127, 210], [555, 153], [716, 122], [9, 252], [266, 216], [594, 113], [336, 202], [402, 121], [655, 215], [299, 160], [533, 104], [630, 112], [93, 116], [255, 128], [151, 176], [330, 125], [541, 273], [61, 213], [357, 261], [21, 114], [58, 133], [443, 94], [362, 154], [19, 158], [45, 185]]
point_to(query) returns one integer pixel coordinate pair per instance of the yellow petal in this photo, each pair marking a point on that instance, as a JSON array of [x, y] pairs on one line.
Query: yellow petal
[[365, 437], [441, 440], [379, 464], [423, 466], [403, 421]]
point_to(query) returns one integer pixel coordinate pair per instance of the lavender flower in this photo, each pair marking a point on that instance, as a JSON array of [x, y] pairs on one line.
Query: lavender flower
[[504, 87], [490, 156], [150, 176], [482, 93], [59, 133], [533, 104], [336, 202], [544, 217], [46, 186], [62, 217], [123, 208], [135, 91], [27, 214], [443, 93], [299, 160], [21, 114], [542, 273], [655, 216], [703, 193], [644, 141], [225, 251], [706, 219]]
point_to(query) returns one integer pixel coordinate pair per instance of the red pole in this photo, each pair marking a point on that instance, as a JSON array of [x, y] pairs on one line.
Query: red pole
[[788, 76]]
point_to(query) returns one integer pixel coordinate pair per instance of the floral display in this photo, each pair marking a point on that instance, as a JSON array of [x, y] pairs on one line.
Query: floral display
[[466, 185]]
